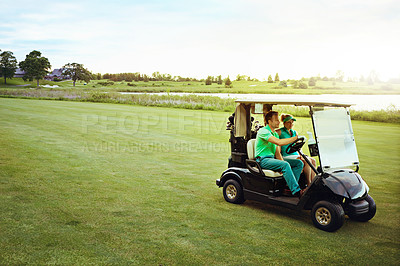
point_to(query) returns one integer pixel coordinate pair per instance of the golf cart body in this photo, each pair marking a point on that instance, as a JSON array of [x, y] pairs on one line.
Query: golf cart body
[[337, 183]]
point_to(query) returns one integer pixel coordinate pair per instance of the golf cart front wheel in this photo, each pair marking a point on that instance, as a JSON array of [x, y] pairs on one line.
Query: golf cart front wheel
[[365, 217], [233, 192], [327, 216]]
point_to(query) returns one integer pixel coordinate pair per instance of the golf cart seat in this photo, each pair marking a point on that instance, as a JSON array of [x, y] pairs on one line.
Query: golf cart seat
[[253, 166]]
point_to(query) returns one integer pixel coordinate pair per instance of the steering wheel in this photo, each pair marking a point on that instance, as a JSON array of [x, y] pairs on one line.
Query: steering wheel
[[295, 146]]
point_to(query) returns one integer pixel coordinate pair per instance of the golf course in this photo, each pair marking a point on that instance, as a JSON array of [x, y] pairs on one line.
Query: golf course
[[96, 183]]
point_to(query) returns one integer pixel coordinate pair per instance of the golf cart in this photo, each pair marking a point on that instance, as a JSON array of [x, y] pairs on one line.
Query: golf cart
[[337, 189]]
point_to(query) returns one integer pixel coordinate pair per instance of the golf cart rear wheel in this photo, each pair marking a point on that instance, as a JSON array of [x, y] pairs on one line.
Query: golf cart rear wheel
[[365, 217], [233, 192], [327, 216]]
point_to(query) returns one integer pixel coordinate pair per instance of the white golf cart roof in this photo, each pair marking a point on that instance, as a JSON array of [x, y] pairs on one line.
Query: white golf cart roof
[[315, 103]]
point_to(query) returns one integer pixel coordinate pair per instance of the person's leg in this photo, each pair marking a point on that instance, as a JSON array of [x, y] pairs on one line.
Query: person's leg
[[297, 166], [314, 163], [307, 171], [284, 167]]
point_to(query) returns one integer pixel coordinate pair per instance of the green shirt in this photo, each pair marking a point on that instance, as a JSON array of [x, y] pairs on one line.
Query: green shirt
[[263, 146], [284, 135]]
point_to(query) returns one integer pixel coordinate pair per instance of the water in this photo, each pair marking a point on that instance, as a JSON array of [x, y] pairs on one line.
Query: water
[[361, 102]]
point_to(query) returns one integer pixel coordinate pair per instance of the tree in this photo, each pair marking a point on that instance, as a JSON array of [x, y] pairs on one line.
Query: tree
[[276, 77], [240, 77], [76, 72], [339, 75], [156, 76], [311, 82], [35, 66], [270, 79], [8, 65], [228, 83], [219, 80], [303, 85], [98, 76], [373, 77], [209, 80]]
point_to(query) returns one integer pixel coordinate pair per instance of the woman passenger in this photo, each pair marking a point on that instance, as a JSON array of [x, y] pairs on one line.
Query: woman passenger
[[287, 131]]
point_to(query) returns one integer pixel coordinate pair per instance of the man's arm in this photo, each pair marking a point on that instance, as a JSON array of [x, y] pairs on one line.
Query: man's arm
[[278, 154], [282, 142]]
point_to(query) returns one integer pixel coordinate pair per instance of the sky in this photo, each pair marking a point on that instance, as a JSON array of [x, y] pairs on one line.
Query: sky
[[209, 37]]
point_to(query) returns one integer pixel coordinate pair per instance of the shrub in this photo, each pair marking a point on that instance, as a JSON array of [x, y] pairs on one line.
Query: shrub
[[131, 84], [208, 80], [302, 85], [283, 83], [105, 83], [311, 82], [228, 83], [295, 84]]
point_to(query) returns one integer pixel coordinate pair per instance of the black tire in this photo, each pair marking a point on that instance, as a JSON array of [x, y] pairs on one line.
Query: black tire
[[365, 217], [233, 192], [327, 216]]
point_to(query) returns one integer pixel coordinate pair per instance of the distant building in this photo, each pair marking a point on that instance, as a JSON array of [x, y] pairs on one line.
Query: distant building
[[19, 73], [55, 75]]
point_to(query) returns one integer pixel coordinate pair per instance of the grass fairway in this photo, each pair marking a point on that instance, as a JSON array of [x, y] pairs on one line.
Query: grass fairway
[[322, 87], [98, 183]]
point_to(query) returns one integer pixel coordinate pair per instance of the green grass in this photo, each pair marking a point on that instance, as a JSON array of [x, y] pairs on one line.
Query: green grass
[[189, 101], [95, 183], [322, 87]]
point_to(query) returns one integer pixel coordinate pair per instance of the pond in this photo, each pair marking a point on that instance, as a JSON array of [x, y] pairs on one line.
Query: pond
[[361, 102]]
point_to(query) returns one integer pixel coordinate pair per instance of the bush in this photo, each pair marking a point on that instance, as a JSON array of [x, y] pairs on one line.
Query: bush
[[311, 82], [228, 83], [105, 83], [208, 80], [283, 83], [131, 84], [302, 85]]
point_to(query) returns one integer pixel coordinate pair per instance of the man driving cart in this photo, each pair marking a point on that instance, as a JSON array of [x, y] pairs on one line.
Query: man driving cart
[[268, 153]]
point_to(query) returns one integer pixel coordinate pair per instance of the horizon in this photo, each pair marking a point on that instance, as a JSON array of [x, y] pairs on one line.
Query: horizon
[[210, 38]]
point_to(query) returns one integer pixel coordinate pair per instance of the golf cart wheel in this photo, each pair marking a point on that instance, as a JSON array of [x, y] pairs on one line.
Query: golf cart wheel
[[365, 217], [327, 216], [233, 192]]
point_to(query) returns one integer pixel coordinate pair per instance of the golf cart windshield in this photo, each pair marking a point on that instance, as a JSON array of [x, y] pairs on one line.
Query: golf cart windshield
[[335, 138]]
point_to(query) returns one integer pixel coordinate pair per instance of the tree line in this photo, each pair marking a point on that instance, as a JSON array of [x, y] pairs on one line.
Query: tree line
[[137, 76], [37, 67]]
